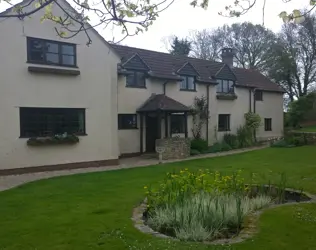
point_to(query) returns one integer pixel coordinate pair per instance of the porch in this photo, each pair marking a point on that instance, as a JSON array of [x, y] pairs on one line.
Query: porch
[[157, 118]]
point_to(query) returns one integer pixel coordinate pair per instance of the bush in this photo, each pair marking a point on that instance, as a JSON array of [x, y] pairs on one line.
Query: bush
[[245, 136], [199, 145], [231, 140], [53, 140], [282, 144], [194, 152]]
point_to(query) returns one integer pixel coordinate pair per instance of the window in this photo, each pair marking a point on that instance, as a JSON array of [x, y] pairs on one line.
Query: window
[[188, 83], [136, 79], [268, 124], [177, 123], [225, 86], [51, 52], [51, 121], [258, 95], [223, 122], [127, 121]]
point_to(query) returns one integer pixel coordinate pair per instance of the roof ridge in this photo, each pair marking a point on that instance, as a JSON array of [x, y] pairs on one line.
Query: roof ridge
[[160, 52]]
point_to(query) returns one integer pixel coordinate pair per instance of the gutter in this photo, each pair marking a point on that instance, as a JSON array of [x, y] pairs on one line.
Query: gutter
[[254, 110]]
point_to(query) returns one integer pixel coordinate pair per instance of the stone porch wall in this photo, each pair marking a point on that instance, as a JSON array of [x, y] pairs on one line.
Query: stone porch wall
[[174, 148]]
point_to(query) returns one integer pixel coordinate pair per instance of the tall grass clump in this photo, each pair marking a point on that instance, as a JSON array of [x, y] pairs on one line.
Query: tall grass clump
[[202, 205]]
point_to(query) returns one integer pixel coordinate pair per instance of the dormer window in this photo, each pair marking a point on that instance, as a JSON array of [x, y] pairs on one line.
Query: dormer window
[[136, 79], [188, 83], [225, 86]]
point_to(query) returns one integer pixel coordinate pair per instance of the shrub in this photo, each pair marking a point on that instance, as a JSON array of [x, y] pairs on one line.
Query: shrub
[[53, 140], [219, 147], [245, 136], [231, 140], [199, 145], [194, 152], [282, 144]]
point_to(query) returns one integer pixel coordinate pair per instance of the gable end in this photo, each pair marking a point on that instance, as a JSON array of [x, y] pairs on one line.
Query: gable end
[[226, 73], [187, 69], [136, 63]]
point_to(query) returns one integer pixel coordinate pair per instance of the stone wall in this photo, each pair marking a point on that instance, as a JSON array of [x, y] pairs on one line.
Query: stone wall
[[174, 148], [308, 138]]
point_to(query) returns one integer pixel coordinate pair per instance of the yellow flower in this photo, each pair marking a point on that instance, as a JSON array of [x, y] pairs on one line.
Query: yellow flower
[[145, 187]]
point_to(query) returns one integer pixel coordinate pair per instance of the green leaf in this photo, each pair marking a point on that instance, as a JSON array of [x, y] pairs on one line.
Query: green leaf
[[37, 5], [297, 13], [312, 2]]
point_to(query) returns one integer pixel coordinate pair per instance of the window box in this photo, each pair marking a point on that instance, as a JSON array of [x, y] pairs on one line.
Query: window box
[[53, 140], [226, 96]]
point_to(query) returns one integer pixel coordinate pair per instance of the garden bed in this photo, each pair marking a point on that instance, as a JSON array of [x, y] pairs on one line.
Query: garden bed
[[224, 210]]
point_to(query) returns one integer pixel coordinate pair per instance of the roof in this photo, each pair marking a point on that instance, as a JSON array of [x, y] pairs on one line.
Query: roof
[[165, 65], [162, 102]]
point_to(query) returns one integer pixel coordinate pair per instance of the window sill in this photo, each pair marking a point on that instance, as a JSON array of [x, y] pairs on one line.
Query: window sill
[[136, 87], [226, 96], [57, 71], [127, 128], [228, 130], [268, 130], [188, 90]]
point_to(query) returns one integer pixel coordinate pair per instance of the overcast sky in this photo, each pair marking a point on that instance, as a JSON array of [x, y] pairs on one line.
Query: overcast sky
[[181, 18]]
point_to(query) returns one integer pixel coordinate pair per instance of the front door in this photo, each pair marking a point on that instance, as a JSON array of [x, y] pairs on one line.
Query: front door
[[151, 133]]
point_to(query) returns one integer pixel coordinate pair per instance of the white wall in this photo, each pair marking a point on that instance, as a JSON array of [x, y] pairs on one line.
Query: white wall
[[95, 90]]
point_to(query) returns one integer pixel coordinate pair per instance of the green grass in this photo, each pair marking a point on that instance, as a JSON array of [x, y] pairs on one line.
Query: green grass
[[93, 211], [308, 129]]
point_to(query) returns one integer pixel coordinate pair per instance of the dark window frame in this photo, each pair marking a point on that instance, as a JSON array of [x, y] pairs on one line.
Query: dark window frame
[[35, 121], [136, 83], [177, 118], [258, 95], [121, 125], [221, 82], [186, 77], [267, 124], [45, 52], [227, 120]]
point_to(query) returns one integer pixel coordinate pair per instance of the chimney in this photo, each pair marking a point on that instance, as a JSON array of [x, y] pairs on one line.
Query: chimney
[[228, 56]]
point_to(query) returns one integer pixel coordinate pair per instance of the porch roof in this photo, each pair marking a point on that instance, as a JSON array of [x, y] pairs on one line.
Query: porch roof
[[162, 102]]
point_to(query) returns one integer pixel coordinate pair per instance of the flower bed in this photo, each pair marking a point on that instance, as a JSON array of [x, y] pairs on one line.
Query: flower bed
[[205, 206]]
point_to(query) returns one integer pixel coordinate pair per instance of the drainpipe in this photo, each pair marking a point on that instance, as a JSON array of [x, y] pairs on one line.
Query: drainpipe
[[208, 109], [254, 111], [250, 102]]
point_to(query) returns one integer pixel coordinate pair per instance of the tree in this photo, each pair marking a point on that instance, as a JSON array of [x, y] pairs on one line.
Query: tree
[[132, 16], [180, 47], [293, 58], [252, 44]]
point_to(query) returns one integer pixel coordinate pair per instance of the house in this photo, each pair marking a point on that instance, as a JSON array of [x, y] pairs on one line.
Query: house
[[118, 100]]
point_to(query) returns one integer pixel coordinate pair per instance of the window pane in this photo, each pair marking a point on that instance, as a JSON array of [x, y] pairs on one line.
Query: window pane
[[130, 79], [191, 83], [68, 60], [219, 86], [223, 122], [37, 56], [68, 49], [51, 47], [225, 86], [52, 58], [127, 121], [140, 79], [177, 124], [231, 86], [183, 84], [51, 121], [36, 45]]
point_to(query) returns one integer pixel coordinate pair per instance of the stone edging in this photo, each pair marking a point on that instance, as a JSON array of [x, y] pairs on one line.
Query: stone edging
[[248, 232]]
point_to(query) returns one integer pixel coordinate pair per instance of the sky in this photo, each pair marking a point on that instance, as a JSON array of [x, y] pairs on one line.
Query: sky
[[181, 18]]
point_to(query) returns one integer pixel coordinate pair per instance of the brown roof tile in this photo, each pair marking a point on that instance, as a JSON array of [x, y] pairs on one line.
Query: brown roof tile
[[163, 103], [165, 65]]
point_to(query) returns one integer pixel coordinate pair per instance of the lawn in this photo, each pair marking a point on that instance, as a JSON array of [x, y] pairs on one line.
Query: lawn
[[308, 129], [93, 211]]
